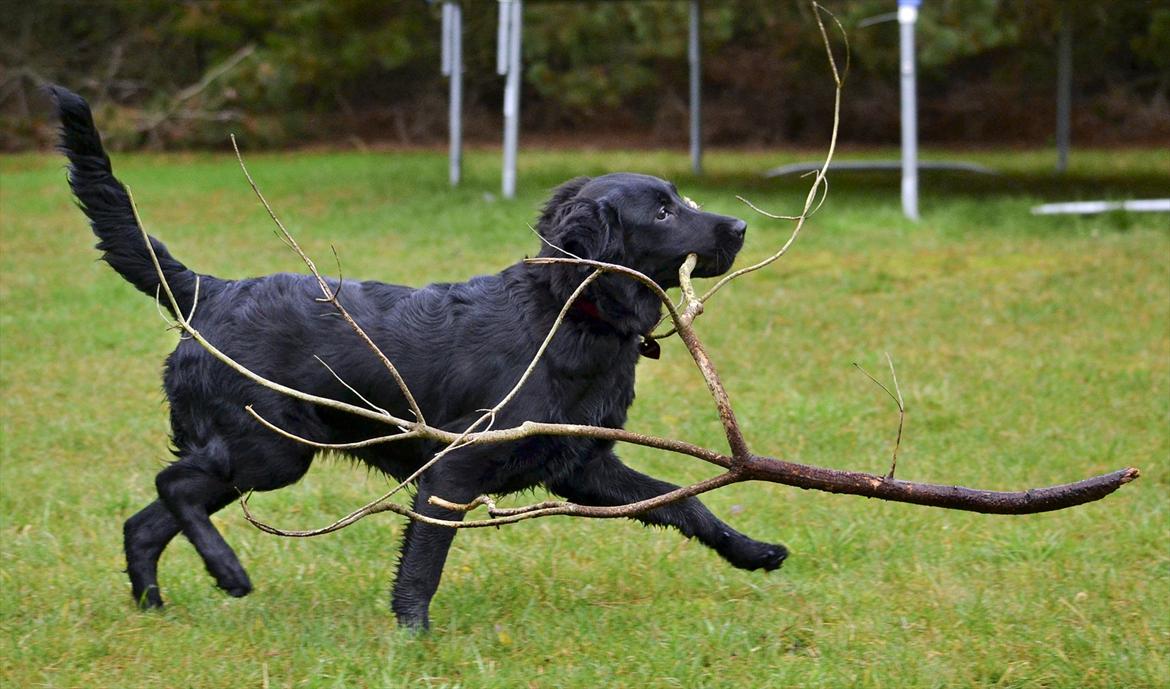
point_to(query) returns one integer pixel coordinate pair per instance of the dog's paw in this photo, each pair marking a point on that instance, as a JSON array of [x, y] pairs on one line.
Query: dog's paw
[[750, 554], [238, 591], [414, 623], [236, 586], [148, 598]]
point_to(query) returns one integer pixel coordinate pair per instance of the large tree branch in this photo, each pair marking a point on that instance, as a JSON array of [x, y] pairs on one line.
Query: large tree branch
[[740, 468], [330, 295], [1030, 501]]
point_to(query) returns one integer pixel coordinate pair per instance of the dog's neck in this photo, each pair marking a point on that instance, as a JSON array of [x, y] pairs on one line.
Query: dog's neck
[[612, 306], [585, 308]]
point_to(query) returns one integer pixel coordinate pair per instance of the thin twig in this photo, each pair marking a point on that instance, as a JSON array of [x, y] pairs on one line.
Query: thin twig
[[233, 364], [545, 240], [465, 507], [172, 324], [510, 516], [818, 181], [691, 304], [349, 387], [897, 400], [330, 294], [369, 442], [194, 298], [901, 416]]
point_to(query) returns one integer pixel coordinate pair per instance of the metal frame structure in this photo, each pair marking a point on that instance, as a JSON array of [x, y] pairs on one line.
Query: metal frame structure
[[509, 64]]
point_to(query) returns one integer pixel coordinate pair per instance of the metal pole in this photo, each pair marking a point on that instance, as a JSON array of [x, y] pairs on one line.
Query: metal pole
[[502, 37], [453, 68], [693, 56], [508, 62], [445, 43], [907, 16], [1063, 89]]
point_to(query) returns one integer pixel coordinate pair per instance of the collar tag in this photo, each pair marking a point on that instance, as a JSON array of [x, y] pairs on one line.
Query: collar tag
[[649, 348]]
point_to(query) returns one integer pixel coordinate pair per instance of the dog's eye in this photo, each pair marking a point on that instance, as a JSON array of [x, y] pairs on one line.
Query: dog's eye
[[662, 213]]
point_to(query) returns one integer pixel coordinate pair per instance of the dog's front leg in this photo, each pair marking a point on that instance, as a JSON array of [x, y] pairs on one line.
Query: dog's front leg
[[605, 480], [424, 552]]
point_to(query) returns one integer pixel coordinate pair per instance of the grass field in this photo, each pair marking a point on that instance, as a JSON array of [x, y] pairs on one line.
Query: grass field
[[1031, 351]]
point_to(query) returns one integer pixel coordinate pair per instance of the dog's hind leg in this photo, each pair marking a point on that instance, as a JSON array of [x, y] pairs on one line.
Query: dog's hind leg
[[145, 536], [604, 480], [209, 476], [192, 494]]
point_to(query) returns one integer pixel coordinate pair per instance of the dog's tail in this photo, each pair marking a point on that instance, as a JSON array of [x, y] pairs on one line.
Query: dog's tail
[[107, 204]]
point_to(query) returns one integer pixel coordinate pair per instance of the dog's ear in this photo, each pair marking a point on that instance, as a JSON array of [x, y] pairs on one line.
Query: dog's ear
[[582, 228], [589, 228], [560, 197], [571, 225]]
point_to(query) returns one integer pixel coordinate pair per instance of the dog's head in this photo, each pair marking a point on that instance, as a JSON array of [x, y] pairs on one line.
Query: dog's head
[[639, 222]]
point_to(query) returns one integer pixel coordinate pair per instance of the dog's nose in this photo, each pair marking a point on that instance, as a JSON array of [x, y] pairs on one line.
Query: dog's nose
[[737, 228]]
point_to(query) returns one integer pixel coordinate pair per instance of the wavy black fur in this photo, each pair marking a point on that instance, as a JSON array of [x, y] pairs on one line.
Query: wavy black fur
[[107, 204], [459, 346]]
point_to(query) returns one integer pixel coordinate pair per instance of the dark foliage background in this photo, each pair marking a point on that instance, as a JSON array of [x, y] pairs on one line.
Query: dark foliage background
[[167, 74]]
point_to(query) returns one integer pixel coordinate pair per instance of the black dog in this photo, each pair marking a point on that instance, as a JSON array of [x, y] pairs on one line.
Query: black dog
[[460, 348]]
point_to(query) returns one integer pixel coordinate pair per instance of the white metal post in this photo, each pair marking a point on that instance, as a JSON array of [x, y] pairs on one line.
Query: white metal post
[[694, 57], [452, 58], [508, 63], [907, 17]]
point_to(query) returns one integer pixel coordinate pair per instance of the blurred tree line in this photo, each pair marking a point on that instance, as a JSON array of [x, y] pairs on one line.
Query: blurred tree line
[[175, 73]]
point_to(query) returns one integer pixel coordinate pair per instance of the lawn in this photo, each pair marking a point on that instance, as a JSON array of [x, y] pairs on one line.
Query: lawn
[[1031, 351]]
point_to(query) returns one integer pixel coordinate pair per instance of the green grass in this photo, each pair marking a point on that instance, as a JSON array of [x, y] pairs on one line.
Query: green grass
[[1031, 351]]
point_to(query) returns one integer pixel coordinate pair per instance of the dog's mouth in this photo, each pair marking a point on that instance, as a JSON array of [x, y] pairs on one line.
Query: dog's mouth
[[717, 262], [713, 260], [707, 266], [714, 265]]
